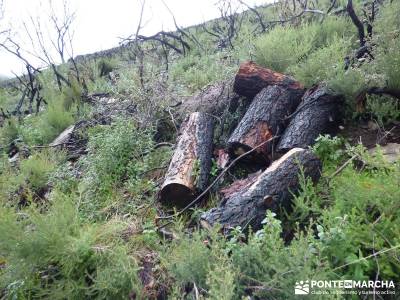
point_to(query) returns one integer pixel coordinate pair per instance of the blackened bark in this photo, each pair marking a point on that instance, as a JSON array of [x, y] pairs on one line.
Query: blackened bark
[[264, 119], [319, 112], [272, 189]]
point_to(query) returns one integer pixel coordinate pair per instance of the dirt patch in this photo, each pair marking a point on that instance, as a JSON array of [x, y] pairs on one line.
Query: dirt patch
[[370, 134]]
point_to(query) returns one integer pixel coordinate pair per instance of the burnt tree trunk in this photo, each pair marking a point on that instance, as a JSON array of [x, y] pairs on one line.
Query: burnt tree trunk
[[264, 119], [251, 79], [190, 166], [272, 189], [318, 113]]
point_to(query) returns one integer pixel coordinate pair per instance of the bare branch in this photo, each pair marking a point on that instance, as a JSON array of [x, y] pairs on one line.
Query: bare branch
[[356, 21], [257, 14]]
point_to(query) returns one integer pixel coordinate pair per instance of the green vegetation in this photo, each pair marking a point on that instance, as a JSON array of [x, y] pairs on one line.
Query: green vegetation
[[85, 226]]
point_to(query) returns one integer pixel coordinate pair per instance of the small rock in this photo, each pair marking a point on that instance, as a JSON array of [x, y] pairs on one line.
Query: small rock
[[391, 152], [373, 126]]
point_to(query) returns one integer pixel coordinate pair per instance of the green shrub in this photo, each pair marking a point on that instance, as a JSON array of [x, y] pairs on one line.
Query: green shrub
[[8, 132], [118, 156], [32, 178], [287, 46], [55, 255], [189, 261], [322, 65], [385, 109], [36, 169], [106, 66], [369, 200], [329, 149], [384, 70], [45, 127], [196, 71]]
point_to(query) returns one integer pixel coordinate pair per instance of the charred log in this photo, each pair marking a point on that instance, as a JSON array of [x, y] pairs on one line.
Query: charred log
[[264, 119], [318, 113], [190, 166], [251, 79], [274, 188]]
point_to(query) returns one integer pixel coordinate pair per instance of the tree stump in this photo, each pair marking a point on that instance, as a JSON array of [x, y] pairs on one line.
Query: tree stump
[[190, 166]]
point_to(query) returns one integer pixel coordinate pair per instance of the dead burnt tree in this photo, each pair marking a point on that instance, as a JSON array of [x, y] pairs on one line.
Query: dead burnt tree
[[293, 11], [169, 40], [357, 22], [271, 190], [29, 84], [190, 166], [319, 112], [264, 119], [42, 51], [183, 32], [252, 78], [258, 15], [364, 28], [226, 28]]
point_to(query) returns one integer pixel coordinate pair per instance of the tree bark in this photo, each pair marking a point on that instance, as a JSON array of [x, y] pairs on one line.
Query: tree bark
[[318, 113], [272, 189], [213, 99], [251, 79], [264, 119], [190, 166]]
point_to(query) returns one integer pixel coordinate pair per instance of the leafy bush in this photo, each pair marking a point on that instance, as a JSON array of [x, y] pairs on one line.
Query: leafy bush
[[106, 66], [118, 156], [55, 255], [36, 170], [8, 132], [287, 46], [43, 128], [32, 178], [386, 65], [328, 149], [385, 109], [196, 71], [190, 261]]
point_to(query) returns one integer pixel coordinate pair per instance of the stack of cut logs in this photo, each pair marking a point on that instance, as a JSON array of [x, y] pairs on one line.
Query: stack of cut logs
[[284, 118]]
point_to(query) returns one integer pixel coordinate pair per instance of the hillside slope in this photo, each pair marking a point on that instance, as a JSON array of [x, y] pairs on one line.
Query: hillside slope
[[81, 213]]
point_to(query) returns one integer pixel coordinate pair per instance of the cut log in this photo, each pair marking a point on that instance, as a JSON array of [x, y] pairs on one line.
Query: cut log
[[190, 166], [264, 119], [318, 113], [272, 189], [251, 79], [239, 185]]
